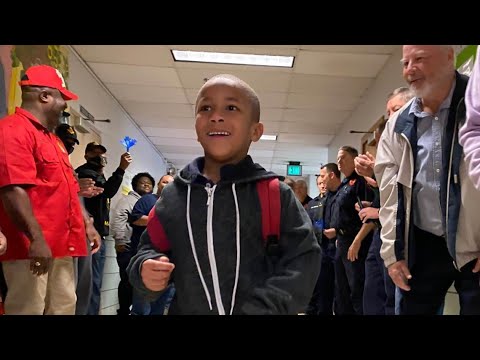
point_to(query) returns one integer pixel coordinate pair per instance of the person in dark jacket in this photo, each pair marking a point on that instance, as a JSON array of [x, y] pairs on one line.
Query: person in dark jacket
[[139, 219], [321, 302], [99, 207], [211, 214], [349, 275]]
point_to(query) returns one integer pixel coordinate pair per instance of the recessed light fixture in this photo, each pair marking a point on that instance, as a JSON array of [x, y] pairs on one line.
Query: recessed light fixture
[[269, 137], [231, 58]]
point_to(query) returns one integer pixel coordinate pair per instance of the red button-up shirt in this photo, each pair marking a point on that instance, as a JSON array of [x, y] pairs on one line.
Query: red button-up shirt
[[33, 157]]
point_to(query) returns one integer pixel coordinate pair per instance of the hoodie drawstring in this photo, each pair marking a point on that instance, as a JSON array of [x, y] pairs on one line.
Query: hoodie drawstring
[[237, 266], [192, 244], [211, 250]]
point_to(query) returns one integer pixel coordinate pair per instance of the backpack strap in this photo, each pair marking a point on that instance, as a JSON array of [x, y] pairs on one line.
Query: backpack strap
[[269, 195], [155, 230]]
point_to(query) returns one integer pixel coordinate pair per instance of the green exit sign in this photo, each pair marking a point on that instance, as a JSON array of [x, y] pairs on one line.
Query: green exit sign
[[294, 170]]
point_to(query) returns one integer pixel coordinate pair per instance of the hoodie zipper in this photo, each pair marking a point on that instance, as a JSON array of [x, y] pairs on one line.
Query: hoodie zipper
[[209, 190], [211, 249]]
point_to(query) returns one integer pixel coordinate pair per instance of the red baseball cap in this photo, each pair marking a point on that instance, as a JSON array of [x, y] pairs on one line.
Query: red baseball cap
[[44, 75]]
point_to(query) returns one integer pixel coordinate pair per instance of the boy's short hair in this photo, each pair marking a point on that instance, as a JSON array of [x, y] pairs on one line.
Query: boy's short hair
[[251, 94]]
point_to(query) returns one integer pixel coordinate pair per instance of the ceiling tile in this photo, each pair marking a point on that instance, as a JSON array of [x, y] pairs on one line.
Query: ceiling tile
[[308, 128], [140, 109], [170, 133], [329, 85], [337, 64], [146, 55], [156, 94], [306, 101], [316, 116], [164, 122], [353, 49], [136, 75], [259, 81]]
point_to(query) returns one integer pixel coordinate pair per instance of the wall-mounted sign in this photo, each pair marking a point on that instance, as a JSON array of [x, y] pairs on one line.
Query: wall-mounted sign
[[294, 170]]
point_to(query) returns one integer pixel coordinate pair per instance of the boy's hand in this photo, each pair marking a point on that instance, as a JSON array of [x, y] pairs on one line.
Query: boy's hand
[[156, 273]]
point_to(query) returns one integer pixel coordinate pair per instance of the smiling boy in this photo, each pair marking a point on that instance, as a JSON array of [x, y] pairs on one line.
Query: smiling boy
[[215, 224]]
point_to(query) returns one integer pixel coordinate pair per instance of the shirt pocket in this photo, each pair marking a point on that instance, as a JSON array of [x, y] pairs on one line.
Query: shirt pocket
[[49, 168], [70, 173]]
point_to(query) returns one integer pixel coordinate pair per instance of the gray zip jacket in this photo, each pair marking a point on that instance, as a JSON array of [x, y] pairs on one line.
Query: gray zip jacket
[[215, 232], [120, 229]]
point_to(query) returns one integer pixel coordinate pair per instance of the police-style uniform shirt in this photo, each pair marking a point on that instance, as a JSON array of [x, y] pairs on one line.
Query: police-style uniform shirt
[[327, 213], [345, 218], [315, 210], [36, 159]]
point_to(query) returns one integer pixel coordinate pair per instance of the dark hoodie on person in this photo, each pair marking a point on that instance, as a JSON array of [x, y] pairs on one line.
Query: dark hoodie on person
[[215, 232], [99, 206]]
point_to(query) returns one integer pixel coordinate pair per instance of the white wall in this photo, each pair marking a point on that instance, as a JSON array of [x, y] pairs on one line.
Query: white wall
[[312, 185], [101, 105], [372, 107]]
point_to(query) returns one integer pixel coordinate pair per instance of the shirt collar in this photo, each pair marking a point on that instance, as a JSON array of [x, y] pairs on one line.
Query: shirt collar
[[28, 115]]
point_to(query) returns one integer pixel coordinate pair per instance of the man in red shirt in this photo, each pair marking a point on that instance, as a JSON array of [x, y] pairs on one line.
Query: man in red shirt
[[40, 212]]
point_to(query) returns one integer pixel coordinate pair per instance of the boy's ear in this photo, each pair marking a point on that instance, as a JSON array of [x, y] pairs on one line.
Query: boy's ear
[[257, 132]]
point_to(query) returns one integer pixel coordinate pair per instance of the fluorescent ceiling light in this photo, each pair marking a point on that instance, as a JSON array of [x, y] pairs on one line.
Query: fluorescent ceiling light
[[230, 58], [269, 137]]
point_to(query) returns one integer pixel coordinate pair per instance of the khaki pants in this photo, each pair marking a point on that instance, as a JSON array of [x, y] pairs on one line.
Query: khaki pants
[[50, 294]]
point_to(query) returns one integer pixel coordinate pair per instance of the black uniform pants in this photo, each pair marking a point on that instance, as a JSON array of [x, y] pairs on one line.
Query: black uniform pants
[[433, 272], [350, 277]]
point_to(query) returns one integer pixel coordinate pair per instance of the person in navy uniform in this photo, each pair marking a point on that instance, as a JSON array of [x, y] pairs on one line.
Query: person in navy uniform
[[345, 223], [319, 210]]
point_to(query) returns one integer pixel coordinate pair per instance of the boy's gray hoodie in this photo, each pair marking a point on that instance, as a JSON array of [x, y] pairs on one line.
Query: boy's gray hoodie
[[221, 266]]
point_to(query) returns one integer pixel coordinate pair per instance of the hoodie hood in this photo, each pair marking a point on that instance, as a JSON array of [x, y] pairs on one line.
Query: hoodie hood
[[245, 171]]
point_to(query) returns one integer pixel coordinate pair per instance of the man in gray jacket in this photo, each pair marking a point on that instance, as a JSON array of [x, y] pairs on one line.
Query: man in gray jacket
[[121, 231]]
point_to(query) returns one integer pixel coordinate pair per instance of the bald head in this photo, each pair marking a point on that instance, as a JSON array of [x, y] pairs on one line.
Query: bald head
[[230, 80]]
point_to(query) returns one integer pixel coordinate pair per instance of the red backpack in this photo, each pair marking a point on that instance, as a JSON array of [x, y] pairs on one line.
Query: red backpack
[[269, 195]]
